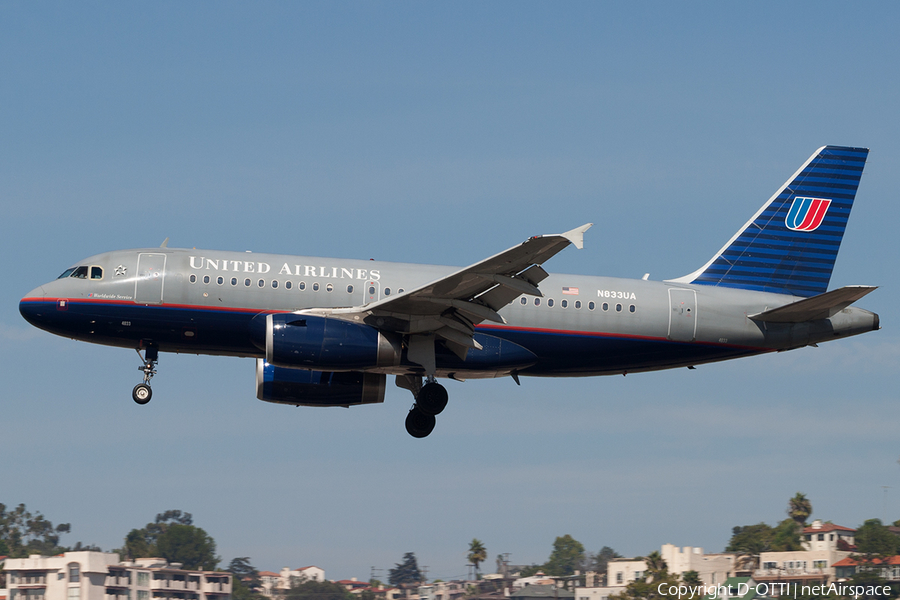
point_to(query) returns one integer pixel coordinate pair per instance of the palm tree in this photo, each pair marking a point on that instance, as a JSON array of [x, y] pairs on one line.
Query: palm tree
[[799, 508], [477, 554], [656, 566]]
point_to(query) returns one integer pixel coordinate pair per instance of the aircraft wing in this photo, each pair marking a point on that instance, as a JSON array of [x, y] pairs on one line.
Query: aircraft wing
[[450, 307]]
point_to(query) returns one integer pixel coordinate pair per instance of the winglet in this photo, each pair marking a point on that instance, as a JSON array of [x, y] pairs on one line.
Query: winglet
[[576, 236]]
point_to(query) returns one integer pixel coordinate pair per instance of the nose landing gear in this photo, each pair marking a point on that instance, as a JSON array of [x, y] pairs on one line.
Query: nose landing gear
[[142, 392]]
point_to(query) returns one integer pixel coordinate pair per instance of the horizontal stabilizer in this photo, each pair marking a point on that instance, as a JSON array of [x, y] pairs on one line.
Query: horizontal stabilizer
[[822, 306]]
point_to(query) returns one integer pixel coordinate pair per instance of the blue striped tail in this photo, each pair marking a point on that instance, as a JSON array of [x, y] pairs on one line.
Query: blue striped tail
[[789, 246]]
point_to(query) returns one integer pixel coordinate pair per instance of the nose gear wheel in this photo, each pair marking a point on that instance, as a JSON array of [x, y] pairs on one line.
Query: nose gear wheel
[[142, 392]]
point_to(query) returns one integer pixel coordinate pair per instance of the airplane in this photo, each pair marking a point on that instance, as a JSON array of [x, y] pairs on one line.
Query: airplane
[[328, 332]]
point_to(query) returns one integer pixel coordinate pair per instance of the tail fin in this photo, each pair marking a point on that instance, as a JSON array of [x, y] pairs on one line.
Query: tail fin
[[790, 244]]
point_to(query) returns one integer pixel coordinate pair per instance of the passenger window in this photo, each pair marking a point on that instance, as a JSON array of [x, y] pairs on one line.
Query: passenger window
[[316, 286], [400, 291], [301, 286], [550, 302], [220, 280], [274, 283], [262, 283], [329, 288], [387, 291], [631, 308], [349, 289], [206, 279], [590, 306], [234, 281], [193, 278], [287, 285], [537, 301], [564, 303], [605, 306], [247, 282], [618, 308], [578, 304], [96, 272], [524, 300]]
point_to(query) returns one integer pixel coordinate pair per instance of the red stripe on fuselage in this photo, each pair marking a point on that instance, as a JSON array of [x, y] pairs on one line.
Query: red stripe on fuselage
[[482, 327]]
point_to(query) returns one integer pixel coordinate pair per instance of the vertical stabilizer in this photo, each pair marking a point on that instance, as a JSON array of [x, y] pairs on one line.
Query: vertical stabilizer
[[789, 246]]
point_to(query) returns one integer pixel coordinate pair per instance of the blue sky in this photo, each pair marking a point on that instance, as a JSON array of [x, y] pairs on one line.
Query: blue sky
[[441, 133]]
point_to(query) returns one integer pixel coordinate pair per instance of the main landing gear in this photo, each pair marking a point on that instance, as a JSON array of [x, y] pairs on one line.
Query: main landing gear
[[142, 392], [431, 400]]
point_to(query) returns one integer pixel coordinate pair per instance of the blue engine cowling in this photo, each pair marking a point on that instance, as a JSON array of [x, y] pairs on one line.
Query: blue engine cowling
[[322, 343], [301, 387]]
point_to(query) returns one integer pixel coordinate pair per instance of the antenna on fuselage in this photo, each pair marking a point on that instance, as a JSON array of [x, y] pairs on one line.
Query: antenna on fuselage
[[165, 243]]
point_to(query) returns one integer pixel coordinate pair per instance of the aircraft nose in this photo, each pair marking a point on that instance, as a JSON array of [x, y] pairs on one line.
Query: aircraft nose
[[31, 306]]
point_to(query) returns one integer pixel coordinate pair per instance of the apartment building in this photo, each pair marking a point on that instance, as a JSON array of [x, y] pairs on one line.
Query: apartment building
[[101, 576]]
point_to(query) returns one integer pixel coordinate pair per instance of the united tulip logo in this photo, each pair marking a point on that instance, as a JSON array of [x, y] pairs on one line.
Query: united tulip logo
[[806, 214]]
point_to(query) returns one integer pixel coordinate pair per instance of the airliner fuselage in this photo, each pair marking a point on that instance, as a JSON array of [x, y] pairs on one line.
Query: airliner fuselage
[[328, 331]]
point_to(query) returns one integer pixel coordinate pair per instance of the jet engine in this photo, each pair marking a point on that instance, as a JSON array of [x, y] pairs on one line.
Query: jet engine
[[301, 387], [323, 343]]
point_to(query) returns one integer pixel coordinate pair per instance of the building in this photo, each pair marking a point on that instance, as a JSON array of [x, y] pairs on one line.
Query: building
[[888, 568], [622, 571], [274, 584], [828, 536], [101, 576], [713, 569], [734, 588], [442, 590], [825, 545], [541, 592], [537, 579]]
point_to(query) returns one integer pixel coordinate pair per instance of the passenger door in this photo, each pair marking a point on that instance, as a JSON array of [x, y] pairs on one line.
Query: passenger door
[[148, 287]]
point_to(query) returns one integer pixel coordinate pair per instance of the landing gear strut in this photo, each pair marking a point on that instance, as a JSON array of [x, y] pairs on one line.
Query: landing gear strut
[[431, 399], [142, 392]]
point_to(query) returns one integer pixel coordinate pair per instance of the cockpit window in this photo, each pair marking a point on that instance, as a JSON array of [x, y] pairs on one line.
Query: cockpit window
[[82, 272]]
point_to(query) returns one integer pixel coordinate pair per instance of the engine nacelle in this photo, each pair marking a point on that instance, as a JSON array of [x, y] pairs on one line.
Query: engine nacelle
[[301, 387], [323, 343]]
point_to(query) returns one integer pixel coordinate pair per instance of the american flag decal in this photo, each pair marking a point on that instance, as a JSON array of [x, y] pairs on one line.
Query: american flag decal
[[572, 291]]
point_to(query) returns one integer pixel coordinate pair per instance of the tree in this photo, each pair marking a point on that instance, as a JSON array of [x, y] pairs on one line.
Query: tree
[[656, 567], [799, 508], [648, 588], [23, 533], [602, 558], [749, 542], [875, 540], [243, 570], [406, 571], [246, 583], [310, 589], [174, 537], [567, 556], [477, 554], [691, 578], [188, 545], [786, 537]]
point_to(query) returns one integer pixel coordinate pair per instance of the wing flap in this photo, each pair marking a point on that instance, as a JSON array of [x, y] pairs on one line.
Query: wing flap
[[818, 307]]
